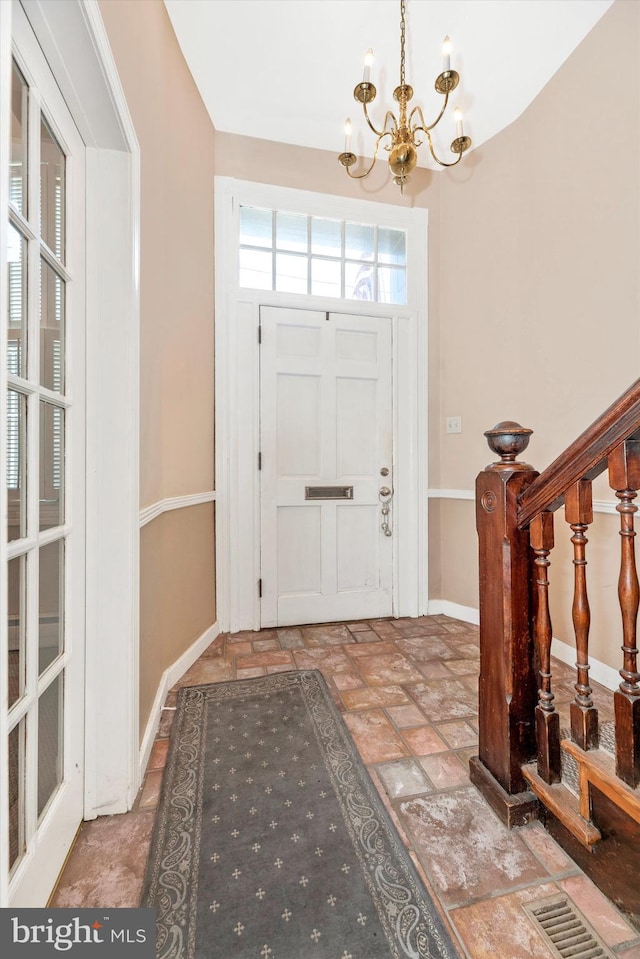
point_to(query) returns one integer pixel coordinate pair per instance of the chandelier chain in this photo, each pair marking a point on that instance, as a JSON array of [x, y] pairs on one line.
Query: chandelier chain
[[402, 33]]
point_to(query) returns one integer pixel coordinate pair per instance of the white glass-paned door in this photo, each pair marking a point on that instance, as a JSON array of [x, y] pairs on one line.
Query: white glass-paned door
[[44, 472]]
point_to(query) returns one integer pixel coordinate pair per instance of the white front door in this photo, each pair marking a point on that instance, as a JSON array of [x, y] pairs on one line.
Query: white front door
[[44, 419], [326, 466]]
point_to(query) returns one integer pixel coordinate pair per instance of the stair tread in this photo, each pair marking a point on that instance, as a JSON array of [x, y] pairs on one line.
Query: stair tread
[[563, 804]]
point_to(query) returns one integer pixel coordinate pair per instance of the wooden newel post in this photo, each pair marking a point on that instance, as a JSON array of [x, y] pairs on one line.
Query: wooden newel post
[[508, 687]]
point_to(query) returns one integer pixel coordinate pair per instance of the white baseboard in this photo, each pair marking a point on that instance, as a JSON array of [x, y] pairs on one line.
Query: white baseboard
[[443, 607], [170, 676], [600, 672]]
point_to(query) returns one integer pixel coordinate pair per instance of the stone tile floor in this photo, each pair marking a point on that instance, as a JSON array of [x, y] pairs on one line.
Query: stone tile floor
[[407, 690]]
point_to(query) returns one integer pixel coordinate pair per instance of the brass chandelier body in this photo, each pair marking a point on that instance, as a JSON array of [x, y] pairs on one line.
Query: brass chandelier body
[[403, 131]]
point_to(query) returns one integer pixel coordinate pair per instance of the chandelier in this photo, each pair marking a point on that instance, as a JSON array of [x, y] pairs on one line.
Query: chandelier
[[403, 131]]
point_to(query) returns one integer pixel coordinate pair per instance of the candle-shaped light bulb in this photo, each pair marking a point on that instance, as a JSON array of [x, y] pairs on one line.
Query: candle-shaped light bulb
[[347, 135], [457, 114], [368, 60], [446, 54]]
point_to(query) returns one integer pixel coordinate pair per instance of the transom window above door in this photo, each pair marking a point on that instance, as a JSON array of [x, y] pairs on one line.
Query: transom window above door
[[295, 253]]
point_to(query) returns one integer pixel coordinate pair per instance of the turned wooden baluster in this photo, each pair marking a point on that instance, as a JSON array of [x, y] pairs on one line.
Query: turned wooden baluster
[[547, 719], [624, 478], [579, 515]]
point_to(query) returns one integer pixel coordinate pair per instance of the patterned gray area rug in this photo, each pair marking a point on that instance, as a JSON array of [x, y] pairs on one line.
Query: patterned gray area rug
[[271, 841]]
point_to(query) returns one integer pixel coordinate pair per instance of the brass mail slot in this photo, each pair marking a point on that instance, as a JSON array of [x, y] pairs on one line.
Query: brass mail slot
[[328, 492]]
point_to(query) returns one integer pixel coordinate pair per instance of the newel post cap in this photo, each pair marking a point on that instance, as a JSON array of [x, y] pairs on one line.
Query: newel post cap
[[508, 439]]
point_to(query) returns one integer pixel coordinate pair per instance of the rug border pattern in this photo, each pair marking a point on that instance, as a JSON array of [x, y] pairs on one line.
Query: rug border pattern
[[171, 885]]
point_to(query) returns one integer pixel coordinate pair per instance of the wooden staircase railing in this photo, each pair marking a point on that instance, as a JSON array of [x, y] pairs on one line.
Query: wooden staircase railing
[[519, 734]]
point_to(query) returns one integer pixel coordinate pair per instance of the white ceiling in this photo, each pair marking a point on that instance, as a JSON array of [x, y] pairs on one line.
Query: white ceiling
[[285, 70]]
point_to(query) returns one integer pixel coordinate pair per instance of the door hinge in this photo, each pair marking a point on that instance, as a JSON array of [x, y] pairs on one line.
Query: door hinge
[[259, 461], [259, 332], [260, 588]]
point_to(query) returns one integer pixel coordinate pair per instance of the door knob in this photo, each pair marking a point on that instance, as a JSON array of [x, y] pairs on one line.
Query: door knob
[[385, 496], [384, 471]]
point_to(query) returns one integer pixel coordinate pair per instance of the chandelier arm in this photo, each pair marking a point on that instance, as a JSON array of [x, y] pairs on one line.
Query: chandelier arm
[[384, 132], [432, 152], [423, 126], [361, 176]]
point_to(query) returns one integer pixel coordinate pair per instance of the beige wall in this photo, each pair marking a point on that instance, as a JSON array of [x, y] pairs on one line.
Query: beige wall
[[176, 140], [176, 595], [539, 279], [534, 248], [302, 168]]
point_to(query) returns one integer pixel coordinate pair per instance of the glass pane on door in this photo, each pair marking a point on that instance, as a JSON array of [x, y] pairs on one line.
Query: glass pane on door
[[52, 292], [50, 603], [16, 426], [16, 627], [51, 465], [18, 160], [49, 742], [16, 793], [17, 283], [52, 189]]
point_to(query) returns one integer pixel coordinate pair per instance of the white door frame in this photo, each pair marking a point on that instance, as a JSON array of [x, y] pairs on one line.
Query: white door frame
[[73, 39], [237, 397]]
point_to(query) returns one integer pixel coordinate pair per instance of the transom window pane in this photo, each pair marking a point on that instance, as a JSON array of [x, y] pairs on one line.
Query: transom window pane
[[295, 253], [392, 285], [291, 232], [326, 237], [256, 227], [291, 273], [358, 241], [359, 280], [392, 246], [256, 269], [326, 277]]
